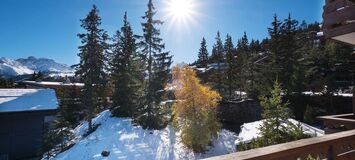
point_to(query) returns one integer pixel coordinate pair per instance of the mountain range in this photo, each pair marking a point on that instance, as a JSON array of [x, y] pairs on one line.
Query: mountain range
[[24, 66]]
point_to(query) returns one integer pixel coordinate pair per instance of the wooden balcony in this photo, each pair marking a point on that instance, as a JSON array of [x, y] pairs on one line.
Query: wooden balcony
[[339, 20], [338, 123], [337, 146]]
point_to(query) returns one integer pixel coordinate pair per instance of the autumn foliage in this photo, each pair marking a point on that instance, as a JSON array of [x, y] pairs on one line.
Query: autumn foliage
[[194, 111]]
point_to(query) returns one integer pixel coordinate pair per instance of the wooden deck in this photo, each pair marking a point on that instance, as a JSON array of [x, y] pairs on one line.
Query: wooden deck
[[337, 146]]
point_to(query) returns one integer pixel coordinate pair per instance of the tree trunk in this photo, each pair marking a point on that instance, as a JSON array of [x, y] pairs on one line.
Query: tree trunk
[[90, 123]]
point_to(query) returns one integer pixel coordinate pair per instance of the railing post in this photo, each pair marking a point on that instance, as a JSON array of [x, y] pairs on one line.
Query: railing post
[[330, 155]]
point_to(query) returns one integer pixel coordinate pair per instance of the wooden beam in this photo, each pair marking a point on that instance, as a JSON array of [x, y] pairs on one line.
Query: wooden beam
[[297, 149]]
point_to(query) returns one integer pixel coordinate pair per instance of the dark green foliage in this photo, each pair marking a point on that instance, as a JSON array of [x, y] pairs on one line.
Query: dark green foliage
[[232, 65], [202, 60], [327, 64], [217, 58], [56, 137], [307, 116], [243, 64], [37, 76], [158, 70], [127, 73], [6, 83], [276, 128], [70, 106], [91, 68], [59, 132]]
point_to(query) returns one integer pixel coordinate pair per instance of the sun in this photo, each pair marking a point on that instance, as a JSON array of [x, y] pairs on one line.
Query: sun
[[180, 14], [180, 9]]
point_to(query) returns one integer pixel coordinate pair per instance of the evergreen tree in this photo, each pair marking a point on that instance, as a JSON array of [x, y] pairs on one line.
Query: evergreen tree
[[276, 127], [274, 46], [194, 112], [243, 64], [232, 63], [6, 83], [126, 72], [203, 54], [218, 58], [158, 69], [91, 68], [70, 109]]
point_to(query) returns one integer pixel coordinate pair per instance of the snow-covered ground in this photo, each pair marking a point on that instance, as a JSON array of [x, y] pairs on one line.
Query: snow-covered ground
[[250, 131], [125, 141]]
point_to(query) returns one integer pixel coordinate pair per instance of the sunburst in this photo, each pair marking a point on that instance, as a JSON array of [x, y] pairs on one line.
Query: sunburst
[[180, 14]]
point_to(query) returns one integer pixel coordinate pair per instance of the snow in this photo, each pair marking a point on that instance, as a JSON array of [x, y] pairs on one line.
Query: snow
[[310, 93], [320, 34], [44, 65], [22, 66], [45, 83], [125, 141], [13, 68], [250, 131], [13, 100]]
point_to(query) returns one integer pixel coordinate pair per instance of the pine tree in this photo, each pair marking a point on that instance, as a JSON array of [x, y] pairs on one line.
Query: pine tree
[[158, 70], [243, 63], [127, 72], [194, 111], [274, 47], [276, 128], [218, 58], [70, 109], [91, 68], [203, 54], [232, 63]]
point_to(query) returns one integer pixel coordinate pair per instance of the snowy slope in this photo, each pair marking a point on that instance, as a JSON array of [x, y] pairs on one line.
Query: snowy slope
[[22, 66], [10, 67], [43, 64], [124, 141]]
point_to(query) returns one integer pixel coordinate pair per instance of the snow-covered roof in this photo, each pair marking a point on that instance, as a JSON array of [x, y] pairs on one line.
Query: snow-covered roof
[[14, 100], [250, 131], [310, 93], [45, 83]]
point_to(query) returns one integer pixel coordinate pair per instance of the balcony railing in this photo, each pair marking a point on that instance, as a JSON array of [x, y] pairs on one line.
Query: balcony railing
[[337, 146]]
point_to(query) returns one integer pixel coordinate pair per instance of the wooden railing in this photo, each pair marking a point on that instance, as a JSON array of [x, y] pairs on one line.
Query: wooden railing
[[337, 146]]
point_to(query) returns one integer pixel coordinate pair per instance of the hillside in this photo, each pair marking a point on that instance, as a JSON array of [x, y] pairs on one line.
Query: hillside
[[124, 141]]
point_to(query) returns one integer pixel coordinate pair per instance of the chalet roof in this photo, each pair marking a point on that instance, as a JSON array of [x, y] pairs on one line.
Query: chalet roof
[[15, 100]]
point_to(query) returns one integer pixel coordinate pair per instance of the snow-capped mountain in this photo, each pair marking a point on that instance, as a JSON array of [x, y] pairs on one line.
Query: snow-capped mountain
[[43, 64], [22, 66], [9, 67]]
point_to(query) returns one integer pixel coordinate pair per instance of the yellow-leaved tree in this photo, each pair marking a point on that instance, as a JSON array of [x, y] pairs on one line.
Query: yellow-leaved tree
[[195, 109]]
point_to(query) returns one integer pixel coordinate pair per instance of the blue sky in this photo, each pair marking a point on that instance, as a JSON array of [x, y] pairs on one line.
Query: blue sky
[[48, 28]]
